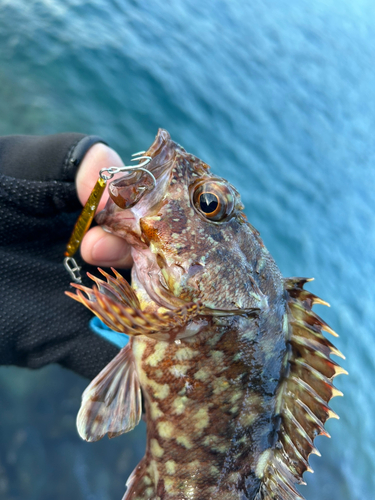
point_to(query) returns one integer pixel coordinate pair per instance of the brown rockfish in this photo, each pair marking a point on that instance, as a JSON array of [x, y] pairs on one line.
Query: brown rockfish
[[235, 372]]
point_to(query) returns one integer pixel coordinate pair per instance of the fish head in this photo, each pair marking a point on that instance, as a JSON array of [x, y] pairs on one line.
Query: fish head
[[190, 238]]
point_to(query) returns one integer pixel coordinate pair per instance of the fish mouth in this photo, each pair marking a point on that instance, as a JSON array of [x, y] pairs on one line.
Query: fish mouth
[[134, 195], [125, 221]]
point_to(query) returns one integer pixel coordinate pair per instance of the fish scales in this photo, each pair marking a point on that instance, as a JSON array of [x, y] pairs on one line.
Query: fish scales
[[235, 372], [215, 410]]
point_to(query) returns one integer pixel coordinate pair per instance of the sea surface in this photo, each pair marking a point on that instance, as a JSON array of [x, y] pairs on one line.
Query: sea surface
[[278, 96]]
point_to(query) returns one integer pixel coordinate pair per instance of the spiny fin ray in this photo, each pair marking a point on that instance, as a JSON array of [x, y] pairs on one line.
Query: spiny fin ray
[[116, 304], [304, 394]]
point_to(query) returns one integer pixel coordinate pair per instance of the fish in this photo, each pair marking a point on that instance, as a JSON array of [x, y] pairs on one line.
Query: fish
[[226, 357]]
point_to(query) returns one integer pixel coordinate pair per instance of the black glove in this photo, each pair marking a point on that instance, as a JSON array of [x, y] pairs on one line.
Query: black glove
[[38, 208]]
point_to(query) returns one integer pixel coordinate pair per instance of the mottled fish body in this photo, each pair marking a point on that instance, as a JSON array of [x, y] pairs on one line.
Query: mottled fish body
[[234, 369]]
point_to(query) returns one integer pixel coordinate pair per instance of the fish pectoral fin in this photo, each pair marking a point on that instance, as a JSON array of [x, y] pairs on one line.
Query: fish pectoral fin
[[117, 288], [112, 403], [125, 317]]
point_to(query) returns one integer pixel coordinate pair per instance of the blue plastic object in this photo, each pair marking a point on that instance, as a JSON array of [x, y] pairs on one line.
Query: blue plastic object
[[117, 338]]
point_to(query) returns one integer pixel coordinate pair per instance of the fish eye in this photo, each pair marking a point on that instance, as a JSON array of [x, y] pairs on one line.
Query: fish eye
[[213, 199], [209, 203]]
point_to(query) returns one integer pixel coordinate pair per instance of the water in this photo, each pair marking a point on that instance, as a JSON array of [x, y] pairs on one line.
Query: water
[[278, 96]]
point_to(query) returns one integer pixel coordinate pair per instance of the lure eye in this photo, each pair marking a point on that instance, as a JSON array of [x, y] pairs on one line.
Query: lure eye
[[213, 199]]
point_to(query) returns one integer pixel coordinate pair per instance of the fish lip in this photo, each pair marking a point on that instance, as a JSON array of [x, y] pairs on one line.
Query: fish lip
[[124, 227], [101, 217]]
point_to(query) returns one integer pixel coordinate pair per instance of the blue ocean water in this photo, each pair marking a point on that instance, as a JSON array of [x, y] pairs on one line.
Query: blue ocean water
[[278, 96]]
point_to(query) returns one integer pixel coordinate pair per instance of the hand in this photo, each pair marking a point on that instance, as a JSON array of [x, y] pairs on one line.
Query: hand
[[98, 247]]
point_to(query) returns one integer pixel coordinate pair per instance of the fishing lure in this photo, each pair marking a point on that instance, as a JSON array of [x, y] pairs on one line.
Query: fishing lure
[[86, 217]]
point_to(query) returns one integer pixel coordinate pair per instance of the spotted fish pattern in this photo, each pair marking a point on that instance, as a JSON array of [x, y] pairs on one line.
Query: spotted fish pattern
[[235, 372]]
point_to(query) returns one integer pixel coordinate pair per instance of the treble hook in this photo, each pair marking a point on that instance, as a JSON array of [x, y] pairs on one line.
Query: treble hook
[[115, 170]]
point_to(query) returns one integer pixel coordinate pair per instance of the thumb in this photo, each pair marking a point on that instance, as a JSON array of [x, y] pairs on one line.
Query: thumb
[[99, 247], [97, 157]]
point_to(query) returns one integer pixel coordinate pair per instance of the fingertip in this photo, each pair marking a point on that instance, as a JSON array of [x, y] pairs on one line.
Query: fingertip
[[100, 248], [99, 156]]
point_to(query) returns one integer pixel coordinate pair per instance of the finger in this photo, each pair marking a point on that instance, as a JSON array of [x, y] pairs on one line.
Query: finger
[[100, 248], [97, 157]]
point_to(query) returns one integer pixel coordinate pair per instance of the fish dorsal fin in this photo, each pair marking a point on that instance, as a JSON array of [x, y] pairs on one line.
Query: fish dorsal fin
[[302, 397], [116, 304], [112, 403]]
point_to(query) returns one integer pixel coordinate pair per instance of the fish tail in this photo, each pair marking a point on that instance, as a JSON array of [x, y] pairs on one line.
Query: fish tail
[[140, 485]]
